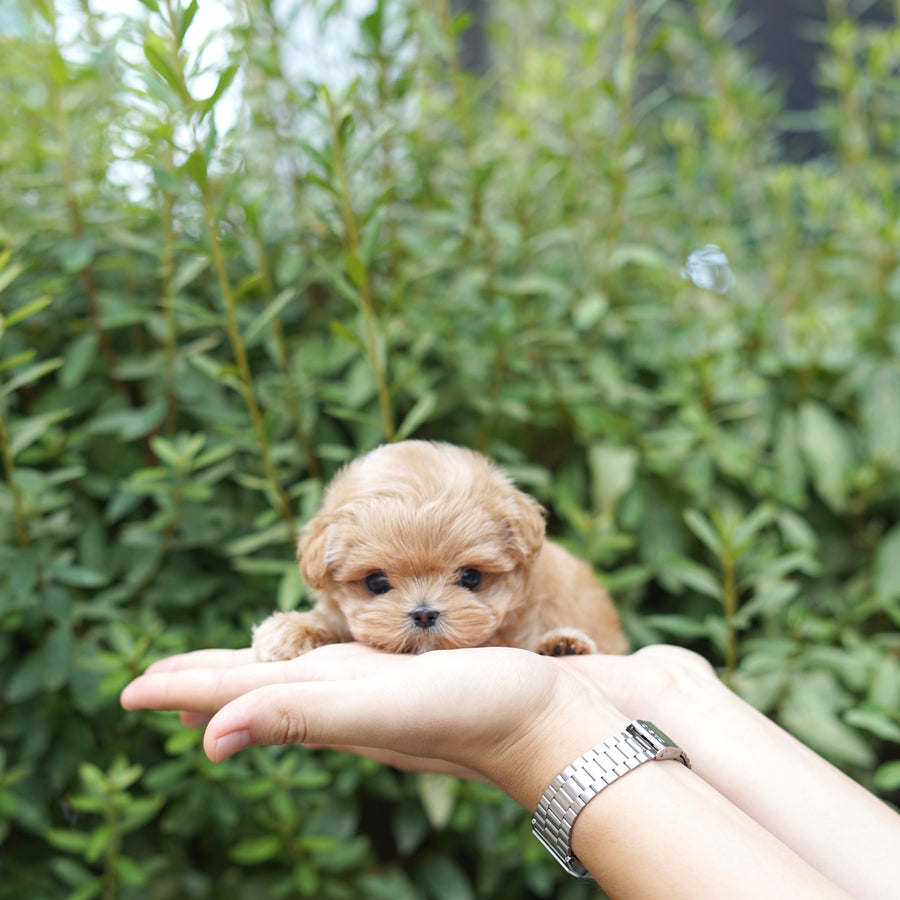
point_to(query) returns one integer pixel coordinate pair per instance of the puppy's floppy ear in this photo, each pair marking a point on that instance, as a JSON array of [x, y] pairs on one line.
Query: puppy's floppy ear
[[312, 550], [527, 526]]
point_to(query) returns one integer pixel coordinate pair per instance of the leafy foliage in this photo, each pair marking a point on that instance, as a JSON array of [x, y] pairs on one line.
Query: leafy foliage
[[220, 277]]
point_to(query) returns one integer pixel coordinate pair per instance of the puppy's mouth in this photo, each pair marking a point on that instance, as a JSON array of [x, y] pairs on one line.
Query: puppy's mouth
[[423, 642], [426, 629], [422, 625]]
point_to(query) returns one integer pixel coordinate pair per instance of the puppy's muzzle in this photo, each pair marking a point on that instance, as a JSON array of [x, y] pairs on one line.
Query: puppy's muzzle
[[424, 617]]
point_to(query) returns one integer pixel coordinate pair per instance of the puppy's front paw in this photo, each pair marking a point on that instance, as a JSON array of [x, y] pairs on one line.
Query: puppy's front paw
[[287, 635], [566, 642]]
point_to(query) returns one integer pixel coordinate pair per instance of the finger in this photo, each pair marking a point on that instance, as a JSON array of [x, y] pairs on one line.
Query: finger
[[333, 713], [226, 659], [204, 659], [202, 690], [205, 689], [194, 719]]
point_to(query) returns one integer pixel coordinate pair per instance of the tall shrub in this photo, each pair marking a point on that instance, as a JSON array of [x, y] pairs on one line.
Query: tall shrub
[[233, 257]]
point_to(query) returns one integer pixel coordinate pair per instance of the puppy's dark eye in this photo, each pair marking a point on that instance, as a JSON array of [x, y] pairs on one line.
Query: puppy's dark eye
[[377, 583], [469, 579]]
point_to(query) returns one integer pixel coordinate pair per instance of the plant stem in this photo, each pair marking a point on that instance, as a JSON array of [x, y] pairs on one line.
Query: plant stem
[[730, 604], [239, 350], [283, 355], [10, 465], [76, 220], [463, 108], [229, 301], [110, 853], [373, 339], [168, 305], [625, 100]]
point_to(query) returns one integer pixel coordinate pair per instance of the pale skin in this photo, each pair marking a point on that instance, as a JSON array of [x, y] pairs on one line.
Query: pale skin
[[760, 815]]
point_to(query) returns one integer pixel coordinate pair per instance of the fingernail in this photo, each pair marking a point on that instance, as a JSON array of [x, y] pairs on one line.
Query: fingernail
[[229, 744]]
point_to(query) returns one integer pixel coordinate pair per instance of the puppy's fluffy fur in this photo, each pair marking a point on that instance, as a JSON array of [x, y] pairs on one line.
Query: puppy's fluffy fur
[[424, 546]]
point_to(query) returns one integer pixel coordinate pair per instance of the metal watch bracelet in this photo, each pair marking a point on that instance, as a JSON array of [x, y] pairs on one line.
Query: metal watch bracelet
[[580, 782]]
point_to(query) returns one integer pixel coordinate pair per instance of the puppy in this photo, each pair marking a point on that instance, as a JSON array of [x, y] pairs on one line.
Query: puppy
[[425, 546]]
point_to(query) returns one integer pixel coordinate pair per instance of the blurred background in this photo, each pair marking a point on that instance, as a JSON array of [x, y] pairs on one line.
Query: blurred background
[[645, 254]]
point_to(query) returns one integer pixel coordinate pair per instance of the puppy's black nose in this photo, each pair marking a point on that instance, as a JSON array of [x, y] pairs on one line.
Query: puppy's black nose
[[424, 617]]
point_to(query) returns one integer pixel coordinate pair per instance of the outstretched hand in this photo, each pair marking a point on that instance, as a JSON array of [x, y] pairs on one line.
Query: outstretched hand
[[517, 719], [489, 712]]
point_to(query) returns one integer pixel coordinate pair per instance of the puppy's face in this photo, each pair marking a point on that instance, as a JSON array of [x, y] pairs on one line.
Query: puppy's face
[[422, 546]]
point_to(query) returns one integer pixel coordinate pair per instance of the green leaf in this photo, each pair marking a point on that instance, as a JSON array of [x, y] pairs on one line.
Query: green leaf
[[886, 575], [196, 167], [356, 270], [690, 574], [790, 472], [880, 414], [224, 82], [99, 840], [78, 576], [139, 812], [637, 255], [272, 311], [410, 827], [290, 590], [613, 471], [27, 679], [26, 432], [131, 872], [887, 777], [385, 885], [130, 424], [79, 356], [8, 274], [438, 794], [30, 375], [89, 890], [418, 415], [876, 721], [11, 362], [704, 530], [157, 54], [813, 710], [343, 332], [69, 840], [372, 238], [26, 311], [445, 878], [255, 851], [251, 543], [748, 529], [69, 871], [190, 269], [76, 255], [184, 20], [828, 451]]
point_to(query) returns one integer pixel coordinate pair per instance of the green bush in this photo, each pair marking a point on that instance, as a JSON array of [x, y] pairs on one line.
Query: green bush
[[221, 278]]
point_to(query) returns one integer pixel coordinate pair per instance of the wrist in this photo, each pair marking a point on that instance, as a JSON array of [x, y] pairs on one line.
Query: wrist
[[576, 786], [525, 767]]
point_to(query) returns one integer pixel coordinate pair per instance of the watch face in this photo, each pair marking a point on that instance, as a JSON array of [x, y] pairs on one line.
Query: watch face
[[656, 733], [665, 747]]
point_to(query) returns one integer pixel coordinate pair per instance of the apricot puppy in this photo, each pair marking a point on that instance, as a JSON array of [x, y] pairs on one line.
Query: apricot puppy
[[425, 546]]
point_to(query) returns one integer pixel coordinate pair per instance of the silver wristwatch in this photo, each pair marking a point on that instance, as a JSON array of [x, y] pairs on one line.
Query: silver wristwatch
[[580, 782]]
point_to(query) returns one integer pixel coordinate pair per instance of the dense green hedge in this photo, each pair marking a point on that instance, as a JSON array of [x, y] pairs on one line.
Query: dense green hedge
[[225, 268]]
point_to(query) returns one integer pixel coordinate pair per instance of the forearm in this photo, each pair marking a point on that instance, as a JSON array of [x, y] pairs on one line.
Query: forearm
[[830, 821], [662, 831], [658, 830]]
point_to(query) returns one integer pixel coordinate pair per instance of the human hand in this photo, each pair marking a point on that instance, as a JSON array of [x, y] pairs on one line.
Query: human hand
[[512, 717]]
